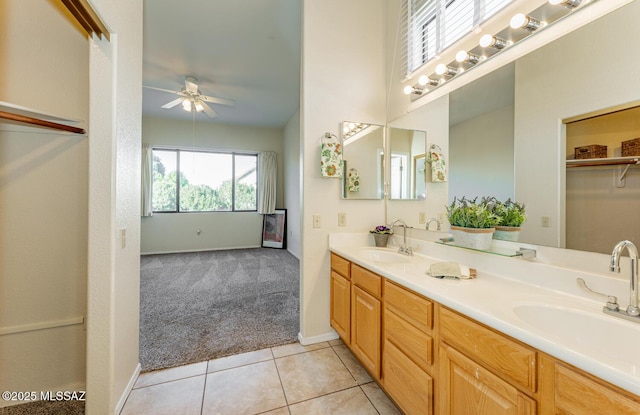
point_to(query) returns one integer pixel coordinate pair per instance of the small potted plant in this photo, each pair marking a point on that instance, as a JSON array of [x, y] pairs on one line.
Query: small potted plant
[[381, 235], [512, 215], [472, 222]]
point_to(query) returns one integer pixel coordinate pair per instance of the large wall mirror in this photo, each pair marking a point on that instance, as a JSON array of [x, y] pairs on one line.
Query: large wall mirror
[[407, 164], [363, 155], [508, 135]]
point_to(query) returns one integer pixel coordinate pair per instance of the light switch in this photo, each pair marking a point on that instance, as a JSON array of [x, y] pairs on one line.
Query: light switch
[[342, 219], [316, 220]]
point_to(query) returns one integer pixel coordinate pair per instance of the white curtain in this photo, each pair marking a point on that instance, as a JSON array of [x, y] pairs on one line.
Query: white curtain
[[147, 179], [267, 174]]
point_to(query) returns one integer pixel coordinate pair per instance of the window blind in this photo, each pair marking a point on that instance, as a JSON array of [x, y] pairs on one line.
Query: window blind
[[431, 26]]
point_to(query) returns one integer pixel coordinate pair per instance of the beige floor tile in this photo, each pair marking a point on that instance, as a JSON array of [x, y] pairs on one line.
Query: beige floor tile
[[182, 396], [336, 342], [309, 375], [295, 348], [239, 360], [348, 402], [247, 389], [380, 400], [279, 411], [353, 365], [174, 373]]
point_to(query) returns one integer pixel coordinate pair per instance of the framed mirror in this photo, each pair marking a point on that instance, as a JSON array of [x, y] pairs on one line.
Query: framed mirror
[[531, 102], [363, 156], [407, 164]]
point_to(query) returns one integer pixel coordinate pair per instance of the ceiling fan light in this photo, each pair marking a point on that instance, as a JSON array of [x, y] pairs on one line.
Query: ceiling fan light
[[186, 105], [199, 106]]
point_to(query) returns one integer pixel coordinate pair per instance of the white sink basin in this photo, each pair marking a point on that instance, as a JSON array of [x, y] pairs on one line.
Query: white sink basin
[[587, 331], [384, 255]]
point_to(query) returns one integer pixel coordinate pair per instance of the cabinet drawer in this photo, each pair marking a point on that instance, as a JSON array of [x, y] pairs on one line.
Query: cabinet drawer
[[408, 385], [367, 280], [340, 265], [505, 357], [417, 345], [580, 395], [414, 308]]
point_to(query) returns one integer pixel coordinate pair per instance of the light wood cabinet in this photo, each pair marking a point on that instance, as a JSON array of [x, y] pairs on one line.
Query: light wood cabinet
[[465, 387], [431, 359], [407, 384], [341, 306], [365, 329], [340, 292], [407, 360], [569, 391]]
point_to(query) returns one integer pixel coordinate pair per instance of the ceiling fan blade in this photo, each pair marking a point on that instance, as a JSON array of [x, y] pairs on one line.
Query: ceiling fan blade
[[215, 100], [161, 89], [207, 110], [173, 103], [191, 84]]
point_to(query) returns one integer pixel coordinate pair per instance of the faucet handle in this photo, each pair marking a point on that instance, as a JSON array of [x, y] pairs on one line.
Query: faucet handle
[[612, 301]]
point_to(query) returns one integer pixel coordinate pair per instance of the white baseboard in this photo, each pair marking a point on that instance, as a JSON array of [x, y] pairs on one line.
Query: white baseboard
[[185, 251], [305, 341], [128, 389]]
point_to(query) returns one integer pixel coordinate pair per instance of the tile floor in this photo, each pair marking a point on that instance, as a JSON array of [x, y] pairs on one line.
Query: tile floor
[[323, 378]]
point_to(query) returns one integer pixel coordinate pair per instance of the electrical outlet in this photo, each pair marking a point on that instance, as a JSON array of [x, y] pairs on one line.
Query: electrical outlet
[[316, 220], [422, 218], [342, 219], [546, 221]]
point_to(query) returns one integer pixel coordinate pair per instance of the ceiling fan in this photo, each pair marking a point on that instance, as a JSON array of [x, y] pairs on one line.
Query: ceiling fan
[[191, 98]]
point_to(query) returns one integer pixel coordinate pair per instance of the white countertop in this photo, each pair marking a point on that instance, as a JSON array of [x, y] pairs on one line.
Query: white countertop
[[536, 303]]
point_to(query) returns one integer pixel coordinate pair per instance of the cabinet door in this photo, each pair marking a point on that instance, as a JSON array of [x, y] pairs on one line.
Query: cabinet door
[[409, 386], [365, 329], [466, 388], [341, 306], [577, 394]]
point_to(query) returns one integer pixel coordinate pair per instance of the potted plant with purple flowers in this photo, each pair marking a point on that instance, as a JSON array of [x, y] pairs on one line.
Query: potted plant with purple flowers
[[381, 235]]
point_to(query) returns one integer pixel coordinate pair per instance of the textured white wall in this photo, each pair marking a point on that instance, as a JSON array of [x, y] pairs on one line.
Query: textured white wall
[[292, 181], [43, 200], [176, 232], [343, 78], [114, 207]]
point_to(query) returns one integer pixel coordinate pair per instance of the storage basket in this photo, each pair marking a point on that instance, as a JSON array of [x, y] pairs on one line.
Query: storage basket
[[631, 147], [594, 151]]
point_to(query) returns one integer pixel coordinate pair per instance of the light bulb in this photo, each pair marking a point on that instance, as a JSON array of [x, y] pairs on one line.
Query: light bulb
[[199, 106], [464, 56], [493, 41], [408, 90], [521, 21], [441, 69], [186, 105], [423, 80], [352, 125]]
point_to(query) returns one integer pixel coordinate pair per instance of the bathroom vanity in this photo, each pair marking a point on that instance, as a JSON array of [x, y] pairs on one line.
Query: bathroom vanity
[[493, 345]]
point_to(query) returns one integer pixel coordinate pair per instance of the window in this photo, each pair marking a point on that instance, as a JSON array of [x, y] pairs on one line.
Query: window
[[434, 25], [200, 181]]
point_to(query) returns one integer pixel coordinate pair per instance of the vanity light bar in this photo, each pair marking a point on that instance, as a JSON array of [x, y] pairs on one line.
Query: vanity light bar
[[446, 72]]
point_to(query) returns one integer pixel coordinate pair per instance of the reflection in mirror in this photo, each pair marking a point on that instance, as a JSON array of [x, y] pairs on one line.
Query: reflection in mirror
[[407, 166], [363, 154], [481, 137]]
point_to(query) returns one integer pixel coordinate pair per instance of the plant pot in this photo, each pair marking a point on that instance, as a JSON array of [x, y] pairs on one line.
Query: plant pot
[[381, 239], [507, 233], [473, 238]]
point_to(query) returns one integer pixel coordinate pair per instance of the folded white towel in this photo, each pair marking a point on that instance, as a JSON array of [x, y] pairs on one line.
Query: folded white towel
[[451, 270]]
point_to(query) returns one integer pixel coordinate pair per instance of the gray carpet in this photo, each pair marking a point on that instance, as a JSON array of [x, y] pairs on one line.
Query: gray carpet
[[45, 408], [204, 305]]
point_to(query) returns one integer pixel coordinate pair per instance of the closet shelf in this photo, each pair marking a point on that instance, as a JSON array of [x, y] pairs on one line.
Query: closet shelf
[[26, 115], [612, 161]]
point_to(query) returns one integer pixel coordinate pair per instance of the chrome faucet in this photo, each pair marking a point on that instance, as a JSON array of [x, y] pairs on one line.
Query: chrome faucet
[[438, 224], [633, 309], [404, 248]]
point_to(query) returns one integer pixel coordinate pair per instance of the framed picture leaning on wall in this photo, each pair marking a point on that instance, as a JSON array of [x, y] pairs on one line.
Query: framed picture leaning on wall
[[274, 229]]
